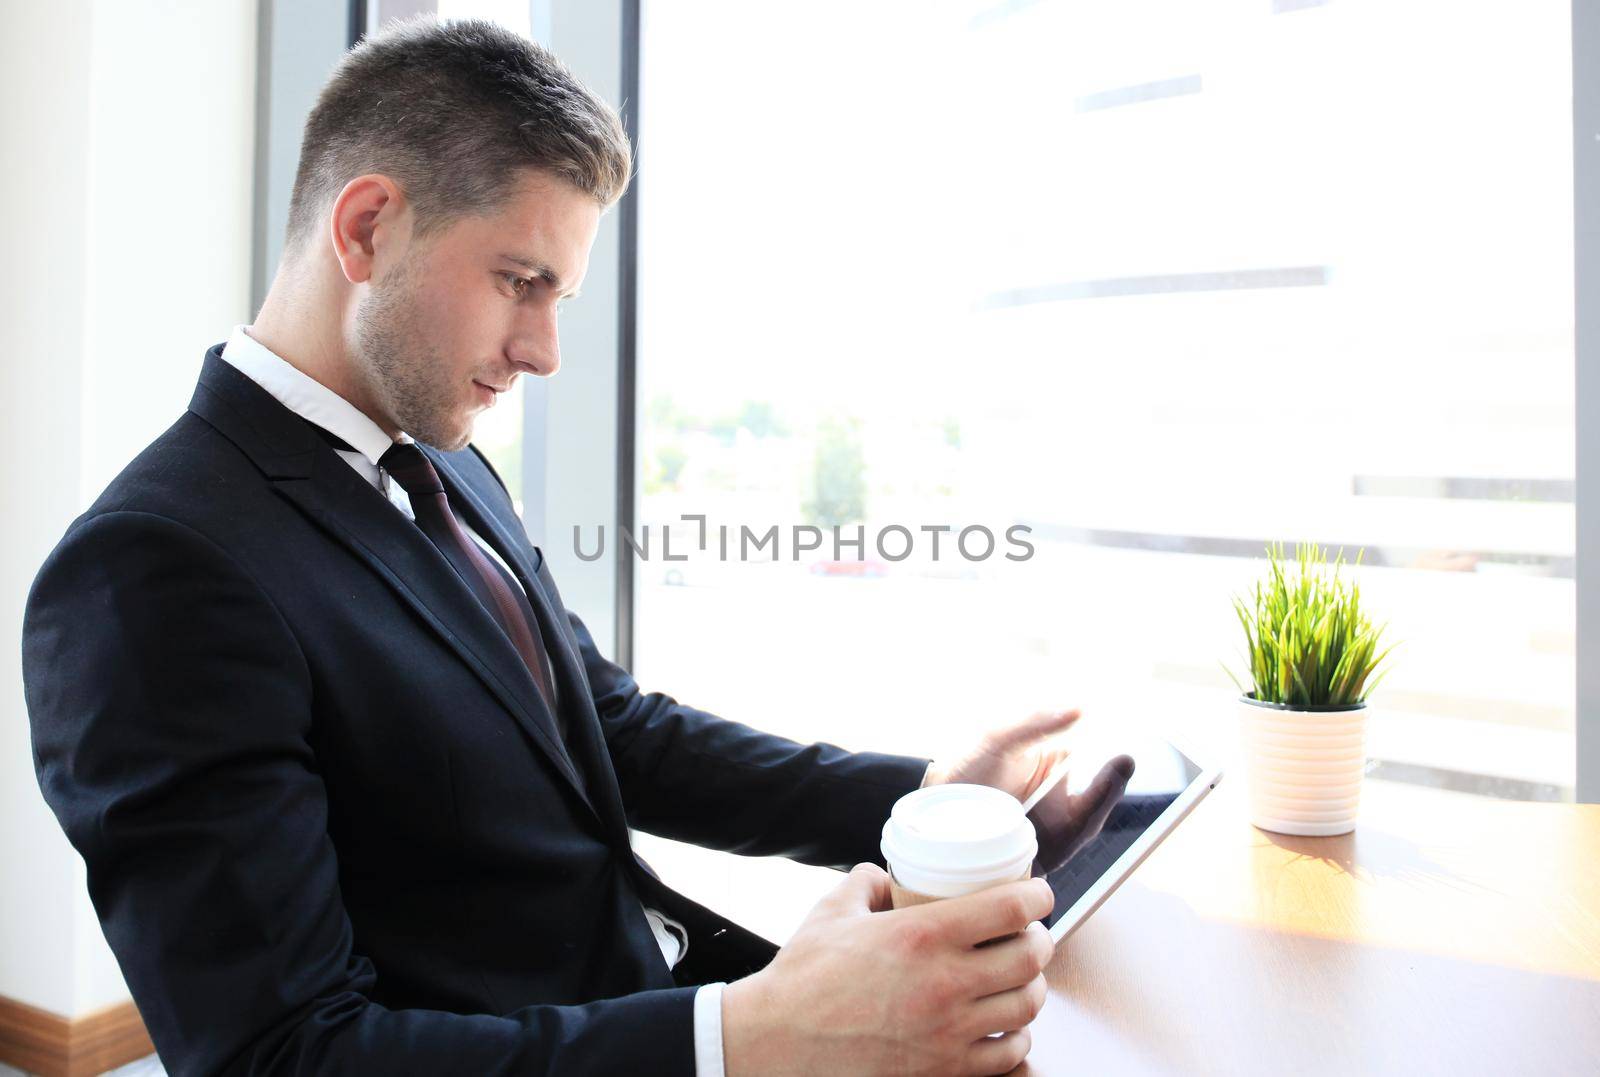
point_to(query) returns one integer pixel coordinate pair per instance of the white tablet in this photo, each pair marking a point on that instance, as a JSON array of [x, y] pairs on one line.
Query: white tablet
[[1165, 786]]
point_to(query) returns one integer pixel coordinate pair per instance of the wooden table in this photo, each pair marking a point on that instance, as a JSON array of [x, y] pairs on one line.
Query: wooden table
[[1449, 934]]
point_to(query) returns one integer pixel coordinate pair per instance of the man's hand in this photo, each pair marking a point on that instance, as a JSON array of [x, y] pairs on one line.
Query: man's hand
[[1016, 760], [859, 989]]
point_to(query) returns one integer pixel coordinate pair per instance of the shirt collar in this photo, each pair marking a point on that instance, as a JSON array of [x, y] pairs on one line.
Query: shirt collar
[[307, 397]]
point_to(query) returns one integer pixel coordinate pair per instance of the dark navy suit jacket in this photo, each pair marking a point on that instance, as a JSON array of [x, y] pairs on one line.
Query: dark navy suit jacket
[[329, 824]]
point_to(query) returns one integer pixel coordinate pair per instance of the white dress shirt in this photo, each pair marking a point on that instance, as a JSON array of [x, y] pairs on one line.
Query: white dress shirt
[[316, 403]]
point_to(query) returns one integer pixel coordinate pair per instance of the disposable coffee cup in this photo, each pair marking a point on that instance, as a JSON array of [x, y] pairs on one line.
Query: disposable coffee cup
[[951, 840]]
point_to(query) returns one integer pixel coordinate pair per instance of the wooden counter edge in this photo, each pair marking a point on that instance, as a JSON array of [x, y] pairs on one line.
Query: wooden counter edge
[[50, 1045]]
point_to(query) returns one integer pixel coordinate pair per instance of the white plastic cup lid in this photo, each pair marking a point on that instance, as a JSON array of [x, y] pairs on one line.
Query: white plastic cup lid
[[950, 840]]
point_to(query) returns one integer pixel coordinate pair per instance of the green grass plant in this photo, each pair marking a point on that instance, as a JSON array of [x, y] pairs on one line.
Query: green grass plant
[[1308, 641]]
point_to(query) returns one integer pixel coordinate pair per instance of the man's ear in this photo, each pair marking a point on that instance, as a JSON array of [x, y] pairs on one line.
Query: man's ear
[[368, 226]]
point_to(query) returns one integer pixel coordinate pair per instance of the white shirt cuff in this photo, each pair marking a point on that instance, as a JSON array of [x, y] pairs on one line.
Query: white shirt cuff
[[708, 1031], [670, 936]]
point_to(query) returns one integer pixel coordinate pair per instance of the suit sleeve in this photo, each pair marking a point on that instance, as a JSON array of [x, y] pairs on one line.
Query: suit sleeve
[[689, 775], [171, 715]]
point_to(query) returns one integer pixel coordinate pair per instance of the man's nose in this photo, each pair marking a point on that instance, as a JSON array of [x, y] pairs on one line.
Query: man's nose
[[537, 345]]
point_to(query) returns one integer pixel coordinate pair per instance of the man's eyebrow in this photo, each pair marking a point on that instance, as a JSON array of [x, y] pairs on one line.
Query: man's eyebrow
[[540, 270]]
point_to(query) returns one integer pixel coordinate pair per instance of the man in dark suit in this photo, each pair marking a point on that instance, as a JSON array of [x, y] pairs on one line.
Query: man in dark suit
[[352, 785]]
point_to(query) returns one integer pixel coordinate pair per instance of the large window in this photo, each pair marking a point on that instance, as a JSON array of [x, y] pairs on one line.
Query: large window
[[1162, 281]]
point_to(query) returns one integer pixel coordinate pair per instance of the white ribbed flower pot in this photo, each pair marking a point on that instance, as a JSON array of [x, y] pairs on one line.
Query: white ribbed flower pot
[[1303, 767]]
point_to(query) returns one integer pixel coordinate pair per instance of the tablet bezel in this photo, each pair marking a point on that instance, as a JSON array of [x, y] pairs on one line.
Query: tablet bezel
[[1134, 855]]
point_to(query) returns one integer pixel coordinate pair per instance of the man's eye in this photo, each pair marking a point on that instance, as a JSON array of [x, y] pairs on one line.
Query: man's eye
[[519, 285]]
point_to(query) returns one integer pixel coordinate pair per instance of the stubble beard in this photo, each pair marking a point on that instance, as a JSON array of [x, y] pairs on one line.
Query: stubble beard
[[401, 368]]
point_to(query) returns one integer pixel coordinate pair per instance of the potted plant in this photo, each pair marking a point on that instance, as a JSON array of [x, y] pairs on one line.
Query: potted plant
[[1312, 652]]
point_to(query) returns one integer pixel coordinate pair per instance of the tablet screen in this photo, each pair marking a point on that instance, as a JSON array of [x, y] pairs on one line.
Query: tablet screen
[[1161, 774]]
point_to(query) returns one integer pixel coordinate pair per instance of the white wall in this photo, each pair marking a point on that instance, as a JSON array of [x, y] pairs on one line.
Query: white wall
[[172, 136], [126, 193]]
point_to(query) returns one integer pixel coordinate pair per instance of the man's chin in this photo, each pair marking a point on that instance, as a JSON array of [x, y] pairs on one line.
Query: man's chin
[[447, 439], [463, 438], [456, 443]]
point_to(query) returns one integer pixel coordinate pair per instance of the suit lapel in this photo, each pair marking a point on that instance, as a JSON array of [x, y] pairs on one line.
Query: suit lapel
[[571, 683], [308, 474]]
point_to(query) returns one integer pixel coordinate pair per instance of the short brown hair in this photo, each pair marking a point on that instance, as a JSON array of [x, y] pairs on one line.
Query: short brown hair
[[453, 111]]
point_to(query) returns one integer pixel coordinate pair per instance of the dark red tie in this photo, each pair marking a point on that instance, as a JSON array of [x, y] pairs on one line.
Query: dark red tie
[[494, 587]]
